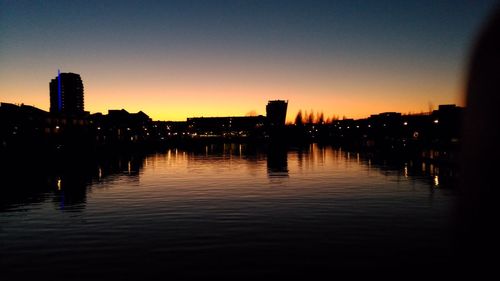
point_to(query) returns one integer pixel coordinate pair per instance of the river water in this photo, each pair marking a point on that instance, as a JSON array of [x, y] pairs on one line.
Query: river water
[[229, 210]]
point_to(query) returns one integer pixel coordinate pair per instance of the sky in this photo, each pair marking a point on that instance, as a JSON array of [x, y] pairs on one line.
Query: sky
[[179, 59]]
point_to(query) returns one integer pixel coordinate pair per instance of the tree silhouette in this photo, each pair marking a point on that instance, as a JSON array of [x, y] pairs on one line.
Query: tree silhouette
[[310, 118], [320, 119], [298, 119]]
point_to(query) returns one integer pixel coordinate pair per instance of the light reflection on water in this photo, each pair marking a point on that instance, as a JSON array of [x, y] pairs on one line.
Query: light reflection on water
[[227, 206]]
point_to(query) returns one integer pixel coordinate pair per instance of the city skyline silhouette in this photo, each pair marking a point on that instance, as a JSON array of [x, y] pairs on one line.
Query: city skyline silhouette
[[76, 96], [175, 60], [260, 139]]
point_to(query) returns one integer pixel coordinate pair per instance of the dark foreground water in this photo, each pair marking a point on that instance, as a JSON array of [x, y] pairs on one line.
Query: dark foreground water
[[225, 210]]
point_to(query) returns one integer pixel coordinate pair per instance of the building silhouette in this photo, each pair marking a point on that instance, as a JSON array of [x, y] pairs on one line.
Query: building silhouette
[[276, 113], [66, 94]]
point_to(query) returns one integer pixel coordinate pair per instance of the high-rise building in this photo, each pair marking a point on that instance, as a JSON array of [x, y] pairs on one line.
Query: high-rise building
[[276, 113], [66, 94]]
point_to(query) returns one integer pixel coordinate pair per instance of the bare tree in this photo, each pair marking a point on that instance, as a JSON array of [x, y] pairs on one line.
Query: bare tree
[[298, 119]]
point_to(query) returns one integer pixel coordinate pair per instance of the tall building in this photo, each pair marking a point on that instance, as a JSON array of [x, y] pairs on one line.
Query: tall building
[[276, 113], [66, 94]]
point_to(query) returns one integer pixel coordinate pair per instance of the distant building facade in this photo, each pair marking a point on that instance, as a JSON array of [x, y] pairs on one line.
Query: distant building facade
[[276, 113], [66, 94], [121, 126], [240, 126]]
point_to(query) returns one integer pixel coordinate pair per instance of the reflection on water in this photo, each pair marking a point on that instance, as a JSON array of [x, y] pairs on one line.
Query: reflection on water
[[70, 180], [277, 163], [219, 206], [65, 181]]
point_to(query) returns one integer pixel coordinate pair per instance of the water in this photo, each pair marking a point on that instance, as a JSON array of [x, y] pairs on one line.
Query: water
[[225, 210]]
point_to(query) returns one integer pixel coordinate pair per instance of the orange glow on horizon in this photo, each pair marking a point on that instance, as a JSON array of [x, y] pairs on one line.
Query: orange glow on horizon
[[177, 104], [240, 94]]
